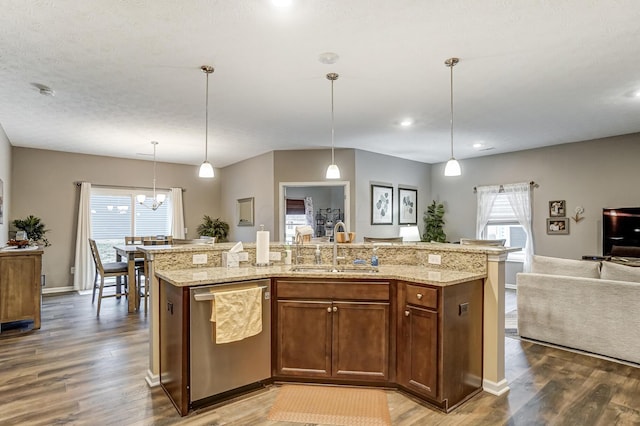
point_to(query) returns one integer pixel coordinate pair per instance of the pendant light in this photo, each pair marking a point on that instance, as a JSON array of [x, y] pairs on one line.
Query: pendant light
[[333, 172], [453, 167], [158, 199], [206, 169]]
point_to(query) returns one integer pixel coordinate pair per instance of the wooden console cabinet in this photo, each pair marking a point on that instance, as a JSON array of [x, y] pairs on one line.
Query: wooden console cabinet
[[440, 341], [20, 288], [333, 329]]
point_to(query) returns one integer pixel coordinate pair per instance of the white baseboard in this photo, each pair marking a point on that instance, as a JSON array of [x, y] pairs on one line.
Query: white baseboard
[[54, 290], [153, 380], [494, 388]]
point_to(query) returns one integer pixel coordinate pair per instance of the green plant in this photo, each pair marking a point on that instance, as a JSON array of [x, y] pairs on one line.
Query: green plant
[[34, 228], [214, 228], [433, 223]]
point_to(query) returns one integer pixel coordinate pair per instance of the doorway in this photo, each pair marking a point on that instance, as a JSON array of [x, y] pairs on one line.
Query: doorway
[[329, 203]]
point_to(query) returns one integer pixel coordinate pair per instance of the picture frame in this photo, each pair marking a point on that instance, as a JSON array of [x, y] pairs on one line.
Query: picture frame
[[558, 226], [244, 211], [557, 208], [381, 204], [407, 206]]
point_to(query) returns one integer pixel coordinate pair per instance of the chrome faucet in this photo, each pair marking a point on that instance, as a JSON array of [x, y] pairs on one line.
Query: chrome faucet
[[335, 244]]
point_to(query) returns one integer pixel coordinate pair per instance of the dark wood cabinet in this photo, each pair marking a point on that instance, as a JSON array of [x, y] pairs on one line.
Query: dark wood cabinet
[[334, 330], [440, 341], [20, 286]]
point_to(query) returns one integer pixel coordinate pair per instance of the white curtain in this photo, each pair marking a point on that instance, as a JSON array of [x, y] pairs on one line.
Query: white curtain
[[177, 221], [486, 197], [85, 269], [308, 212], [519, 195]]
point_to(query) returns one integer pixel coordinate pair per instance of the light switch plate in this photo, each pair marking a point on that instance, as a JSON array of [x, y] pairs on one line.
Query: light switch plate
[[275, 255], [199, 259], [435, 259]]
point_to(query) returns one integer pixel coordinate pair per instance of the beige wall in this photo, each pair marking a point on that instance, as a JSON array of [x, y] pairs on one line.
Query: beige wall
[[311, 166], [248, 178], [395, 172], [594, 174], [5, 175], [43, 185]]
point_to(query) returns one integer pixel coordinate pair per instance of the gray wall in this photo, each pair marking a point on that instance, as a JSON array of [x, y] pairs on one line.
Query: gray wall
[[248, 178], [5, 175], [43, 185], [377, 168], [594, 174], [311, 166]]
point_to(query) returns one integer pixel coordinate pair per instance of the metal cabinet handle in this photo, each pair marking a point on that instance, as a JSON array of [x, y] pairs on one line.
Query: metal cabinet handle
[[406, 313], [335, 309], [419, 296], [328, 309]]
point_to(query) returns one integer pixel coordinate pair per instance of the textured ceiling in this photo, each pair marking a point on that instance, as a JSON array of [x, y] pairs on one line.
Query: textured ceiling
[[531, 73]]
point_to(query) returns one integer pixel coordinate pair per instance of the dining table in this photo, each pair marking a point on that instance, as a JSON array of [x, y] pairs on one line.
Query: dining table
[[130, 253]]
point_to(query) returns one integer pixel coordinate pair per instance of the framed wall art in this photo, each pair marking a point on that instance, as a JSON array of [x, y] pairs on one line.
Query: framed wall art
[[407, 203], [381, 205], [558, 226], [557, 208]]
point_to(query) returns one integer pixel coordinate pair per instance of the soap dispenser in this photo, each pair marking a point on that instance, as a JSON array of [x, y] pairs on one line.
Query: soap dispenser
[[374, 257], [318, 255]]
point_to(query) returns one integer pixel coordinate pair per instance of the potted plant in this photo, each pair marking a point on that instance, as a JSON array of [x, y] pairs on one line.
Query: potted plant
[[34, 229], [214, 228], [433, 223]]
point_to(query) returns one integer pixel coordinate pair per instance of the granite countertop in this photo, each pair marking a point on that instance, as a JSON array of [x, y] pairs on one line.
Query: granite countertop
[[219, 275]]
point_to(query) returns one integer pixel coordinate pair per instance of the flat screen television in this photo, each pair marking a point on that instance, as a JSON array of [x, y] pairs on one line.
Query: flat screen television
[[620, 227]]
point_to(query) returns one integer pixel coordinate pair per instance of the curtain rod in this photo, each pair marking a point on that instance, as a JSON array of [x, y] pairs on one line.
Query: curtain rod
[[142, 188], [531, 184]]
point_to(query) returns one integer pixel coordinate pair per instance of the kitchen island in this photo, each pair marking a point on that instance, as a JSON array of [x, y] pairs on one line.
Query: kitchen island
[[404, 327], [405, 263]]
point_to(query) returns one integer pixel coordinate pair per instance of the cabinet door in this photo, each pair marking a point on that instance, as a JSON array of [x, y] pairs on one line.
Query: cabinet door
[[360, 341], [418, 351], [304, 338], [20, 289]]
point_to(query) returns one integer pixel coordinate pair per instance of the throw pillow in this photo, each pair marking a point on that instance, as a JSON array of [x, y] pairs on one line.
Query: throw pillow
[[618, 272], [566, 267]]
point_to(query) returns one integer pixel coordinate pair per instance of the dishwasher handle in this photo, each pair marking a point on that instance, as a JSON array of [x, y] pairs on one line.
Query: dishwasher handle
[[199, 297]]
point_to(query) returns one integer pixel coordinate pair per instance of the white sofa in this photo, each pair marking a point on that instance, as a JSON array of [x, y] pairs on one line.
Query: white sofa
[[585, 305]]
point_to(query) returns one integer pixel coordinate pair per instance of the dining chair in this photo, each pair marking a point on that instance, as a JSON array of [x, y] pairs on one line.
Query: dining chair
[[105, 270], [382, 239], [141, 270], [157, 240], [476, 242]]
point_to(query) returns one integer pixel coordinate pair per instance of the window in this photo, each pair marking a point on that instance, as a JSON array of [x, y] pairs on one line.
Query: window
[[294, 216], [115, 214], [503, 224]]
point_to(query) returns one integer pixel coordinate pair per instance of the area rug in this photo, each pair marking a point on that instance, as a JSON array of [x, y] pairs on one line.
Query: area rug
[[331, 405]]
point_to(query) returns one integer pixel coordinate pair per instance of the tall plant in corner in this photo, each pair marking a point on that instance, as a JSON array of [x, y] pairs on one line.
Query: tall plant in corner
[[34, 228], [434, 223], [214, 228]]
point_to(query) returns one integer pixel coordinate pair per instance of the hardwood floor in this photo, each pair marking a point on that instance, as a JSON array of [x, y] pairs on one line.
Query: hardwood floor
[[80, 370]]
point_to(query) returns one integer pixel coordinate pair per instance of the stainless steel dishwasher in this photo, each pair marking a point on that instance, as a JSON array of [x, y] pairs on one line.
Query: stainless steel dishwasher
[[218, 368]]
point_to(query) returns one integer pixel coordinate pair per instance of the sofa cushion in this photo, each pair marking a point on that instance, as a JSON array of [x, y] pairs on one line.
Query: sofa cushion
[[618, 272], [567, 267]]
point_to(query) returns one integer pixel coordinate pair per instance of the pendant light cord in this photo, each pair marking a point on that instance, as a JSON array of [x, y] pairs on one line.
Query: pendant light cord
[[206, 123], [332, 125], [154, 170], [451, 66]]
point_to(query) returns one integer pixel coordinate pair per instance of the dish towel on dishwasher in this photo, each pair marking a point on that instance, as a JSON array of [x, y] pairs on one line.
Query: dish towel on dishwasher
[[237, 314]]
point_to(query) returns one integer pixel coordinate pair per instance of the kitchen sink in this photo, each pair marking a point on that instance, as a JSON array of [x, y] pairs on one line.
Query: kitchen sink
[[329, 269]]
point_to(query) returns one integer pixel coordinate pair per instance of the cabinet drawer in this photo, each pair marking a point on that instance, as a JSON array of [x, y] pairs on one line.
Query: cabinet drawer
[[422, 296], [344, 290]]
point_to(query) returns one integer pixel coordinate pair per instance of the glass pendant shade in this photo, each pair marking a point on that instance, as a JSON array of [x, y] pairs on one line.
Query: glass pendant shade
[[140, 198], [333, 172], [206, 170], [452, 168]]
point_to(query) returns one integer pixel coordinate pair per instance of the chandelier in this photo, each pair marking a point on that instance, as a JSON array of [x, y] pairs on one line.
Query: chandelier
[[157, 199]]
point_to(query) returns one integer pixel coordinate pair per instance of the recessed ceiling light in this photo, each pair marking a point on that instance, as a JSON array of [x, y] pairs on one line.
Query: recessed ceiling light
[[328, 58], [281, 3], [44, 90], [406, 122]]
